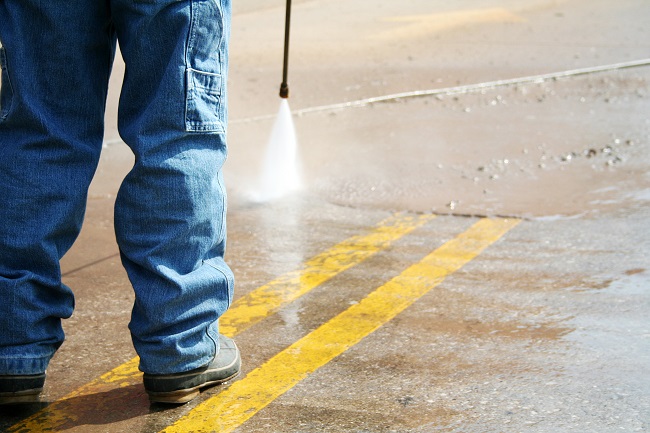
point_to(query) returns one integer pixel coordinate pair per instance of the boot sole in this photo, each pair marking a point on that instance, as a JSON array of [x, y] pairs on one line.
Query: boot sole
[[21, 397], [185, 395]]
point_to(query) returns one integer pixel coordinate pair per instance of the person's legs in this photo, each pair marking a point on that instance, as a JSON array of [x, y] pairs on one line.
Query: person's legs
[[171, 208], [56, 58]]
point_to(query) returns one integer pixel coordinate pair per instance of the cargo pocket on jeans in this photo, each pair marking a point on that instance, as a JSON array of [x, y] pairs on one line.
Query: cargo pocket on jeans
[[203, 110], [6, 91]]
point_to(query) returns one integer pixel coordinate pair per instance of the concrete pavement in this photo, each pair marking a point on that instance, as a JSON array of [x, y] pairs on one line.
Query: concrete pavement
[[543, 327]]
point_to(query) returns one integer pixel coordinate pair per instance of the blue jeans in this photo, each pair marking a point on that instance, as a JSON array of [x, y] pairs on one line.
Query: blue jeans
[[56, 59]]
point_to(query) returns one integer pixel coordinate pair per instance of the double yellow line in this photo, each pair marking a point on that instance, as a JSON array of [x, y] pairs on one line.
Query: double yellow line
[[231, 407]]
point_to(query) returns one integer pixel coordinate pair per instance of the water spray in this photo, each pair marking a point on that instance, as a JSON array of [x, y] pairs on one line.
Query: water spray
[[284, 87], [281, 172]]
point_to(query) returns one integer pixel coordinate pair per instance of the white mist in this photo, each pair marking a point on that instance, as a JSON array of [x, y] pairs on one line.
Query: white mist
[[280, 173]]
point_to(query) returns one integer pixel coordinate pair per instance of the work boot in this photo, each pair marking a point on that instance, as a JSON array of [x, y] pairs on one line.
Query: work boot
[[15, 389], [180, 388]]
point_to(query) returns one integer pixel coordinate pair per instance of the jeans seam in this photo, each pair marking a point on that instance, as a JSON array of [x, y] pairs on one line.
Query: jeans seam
[[229, 287], [229, 291], [4, 73], [224, 210]]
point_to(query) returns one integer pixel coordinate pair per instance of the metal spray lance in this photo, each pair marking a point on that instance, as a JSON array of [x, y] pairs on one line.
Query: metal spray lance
[[284, 87]]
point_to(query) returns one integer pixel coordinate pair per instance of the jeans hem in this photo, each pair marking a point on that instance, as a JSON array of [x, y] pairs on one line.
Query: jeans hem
[[24, 365]]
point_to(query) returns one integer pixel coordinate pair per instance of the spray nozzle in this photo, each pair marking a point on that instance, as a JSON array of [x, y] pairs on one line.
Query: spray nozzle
[[284, 90]]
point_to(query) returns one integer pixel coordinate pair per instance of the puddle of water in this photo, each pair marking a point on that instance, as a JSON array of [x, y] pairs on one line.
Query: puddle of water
[[553, 218], [635, 282], [643, 195]]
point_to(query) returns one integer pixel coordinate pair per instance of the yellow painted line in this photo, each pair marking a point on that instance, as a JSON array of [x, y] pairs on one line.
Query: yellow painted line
[[230, 408], [248, 310], [244, 312]]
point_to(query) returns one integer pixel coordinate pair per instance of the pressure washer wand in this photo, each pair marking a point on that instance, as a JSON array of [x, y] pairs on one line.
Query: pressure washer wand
[[284, 87]]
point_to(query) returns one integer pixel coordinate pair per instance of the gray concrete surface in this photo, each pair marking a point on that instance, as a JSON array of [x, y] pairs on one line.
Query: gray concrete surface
[[545, 331]]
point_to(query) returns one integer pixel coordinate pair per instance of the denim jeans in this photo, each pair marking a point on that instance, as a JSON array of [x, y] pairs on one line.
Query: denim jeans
[[56, 59]]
